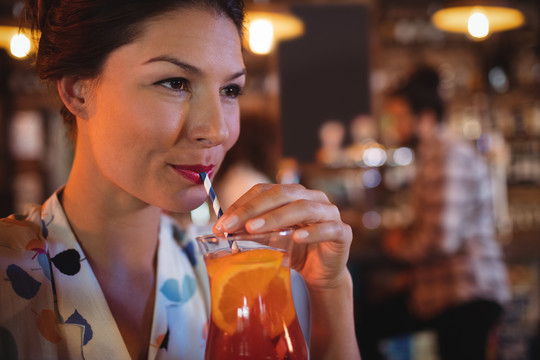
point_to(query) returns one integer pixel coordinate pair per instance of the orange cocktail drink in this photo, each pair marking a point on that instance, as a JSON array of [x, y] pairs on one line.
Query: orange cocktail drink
[[252, 309]]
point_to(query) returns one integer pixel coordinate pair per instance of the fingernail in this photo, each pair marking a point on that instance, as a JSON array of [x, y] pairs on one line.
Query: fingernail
[[230, 222], [301, 234], [256, 224], [219, 227]]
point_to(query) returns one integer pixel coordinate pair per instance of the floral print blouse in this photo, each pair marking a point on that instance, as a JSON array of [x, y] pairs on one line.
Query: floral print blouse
[[52, 306]]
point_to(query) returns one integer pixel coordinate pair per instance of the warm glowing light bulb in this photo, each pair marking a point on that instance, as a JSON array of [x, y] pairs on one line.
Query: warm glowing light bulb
[[478, 25], [261, 36], [19, 45]]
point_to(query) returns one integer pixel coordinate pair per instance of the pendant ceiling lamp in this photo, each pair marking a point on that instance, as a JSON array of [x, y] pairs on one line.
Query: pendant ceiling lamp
[[267, 25], [478, 18]]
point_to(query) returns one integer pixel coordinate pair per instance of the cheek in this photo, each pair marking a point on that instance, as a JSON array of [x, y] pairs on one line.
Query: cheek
[[234, 132], [160, 124], [127, 123], [127, 138]]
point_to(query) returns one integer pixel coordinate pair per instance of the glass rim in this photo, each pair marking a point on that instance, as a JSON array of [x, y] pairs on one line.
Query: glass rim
[[245, 236]]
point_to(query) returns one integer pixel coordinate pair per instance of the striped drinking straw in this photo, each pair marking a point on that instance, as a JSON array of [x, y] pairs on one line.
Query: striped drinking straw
[[211, 194], [215, 204]]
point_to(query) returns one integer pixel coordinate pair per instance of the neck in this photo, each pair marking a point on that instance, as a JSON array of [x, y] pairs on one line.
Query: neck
[[117, 231]]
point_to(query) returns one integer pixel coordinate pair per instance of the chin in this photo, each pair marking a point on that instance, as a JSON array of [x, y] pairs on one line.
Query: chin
[[184, 202]]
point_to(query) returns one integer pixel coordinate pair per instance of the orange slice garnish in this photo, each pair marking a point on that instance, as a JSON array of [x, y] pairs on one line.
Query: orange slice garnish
[[278, 300], [236, 282]]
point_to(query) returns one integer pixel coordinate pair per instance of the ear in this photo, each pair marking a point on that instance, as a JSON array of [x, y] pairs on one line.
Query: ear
[[73, 93]]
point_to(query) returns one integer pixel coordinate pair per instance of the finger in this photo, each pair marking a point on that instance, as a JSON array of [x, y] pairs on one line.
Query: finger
[[248, 196], [297, 212], [331, 239], [277, 191], [334, 231], [262, 199], [245, 198]]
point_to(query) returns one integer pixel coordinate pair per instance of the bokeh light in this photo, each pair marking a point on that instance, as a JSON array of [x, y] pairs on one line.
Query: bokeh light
[[371, 178], [374, 156], [261, 36], [478, 25], [371, 220], [20, 45]]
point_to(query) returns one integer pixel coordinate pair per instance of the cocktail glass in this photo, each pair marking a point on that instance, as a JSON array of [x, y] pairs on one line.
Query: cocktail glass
[[252, 312]]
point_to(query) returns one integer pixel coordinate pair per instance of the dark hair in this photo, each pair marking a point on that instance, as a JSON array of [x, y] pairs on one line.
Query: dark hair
[[78, 35], [421, 92]]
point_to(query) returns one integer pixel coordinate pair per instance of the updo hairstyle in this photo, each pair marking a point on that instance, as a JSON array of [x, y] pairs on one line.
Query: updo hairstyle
[[77, 36]]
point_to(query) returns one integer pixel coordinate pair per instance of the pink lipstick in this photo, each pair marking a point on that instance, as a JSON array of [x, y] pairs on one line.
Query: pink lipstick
[[191, 172]]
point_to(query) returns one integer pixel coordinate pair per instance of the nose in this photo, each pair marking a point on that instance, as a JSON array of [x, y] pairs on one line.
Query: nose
[[207, 125]]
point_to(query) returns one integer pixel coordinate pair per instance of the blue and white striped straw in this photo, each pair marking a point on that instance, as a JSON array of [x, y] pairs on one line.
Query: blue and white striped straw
[[215, 204], [211, 194]]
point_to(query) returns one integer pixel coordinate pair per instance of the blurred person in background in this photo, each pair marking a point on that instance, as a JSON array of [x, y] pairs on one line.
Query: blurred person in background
[[456, 278], [331, 152]]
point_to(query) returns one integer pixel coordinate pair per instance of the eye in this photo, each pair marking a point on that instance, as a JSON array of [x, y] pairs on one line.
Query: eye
[[232, 91], [176, 84]]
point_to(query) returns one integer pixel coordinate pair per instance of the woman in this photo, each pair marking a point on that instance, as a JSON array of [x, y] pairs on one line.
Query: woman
[[150, 94]]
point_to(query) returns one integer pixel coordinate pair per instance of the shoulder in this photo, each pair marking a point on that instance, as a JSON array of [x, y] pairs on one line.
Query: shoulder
[[457, 146], [462, 153], [25, 273], [21, 232]]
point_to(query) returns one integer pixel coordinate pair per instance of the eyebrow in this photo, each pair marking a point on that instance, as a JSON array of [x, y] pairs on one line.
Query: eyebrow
[[190, 68]]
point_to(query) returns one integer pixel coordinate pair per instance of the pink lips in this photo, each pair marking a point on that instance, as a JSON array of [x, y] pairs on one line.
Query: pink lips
[[191, 172]]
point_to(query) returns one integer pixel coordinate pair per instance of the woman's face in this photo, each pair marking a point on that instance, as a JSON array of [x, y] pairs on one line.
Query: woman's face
[[165, 108], [402, 117]]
